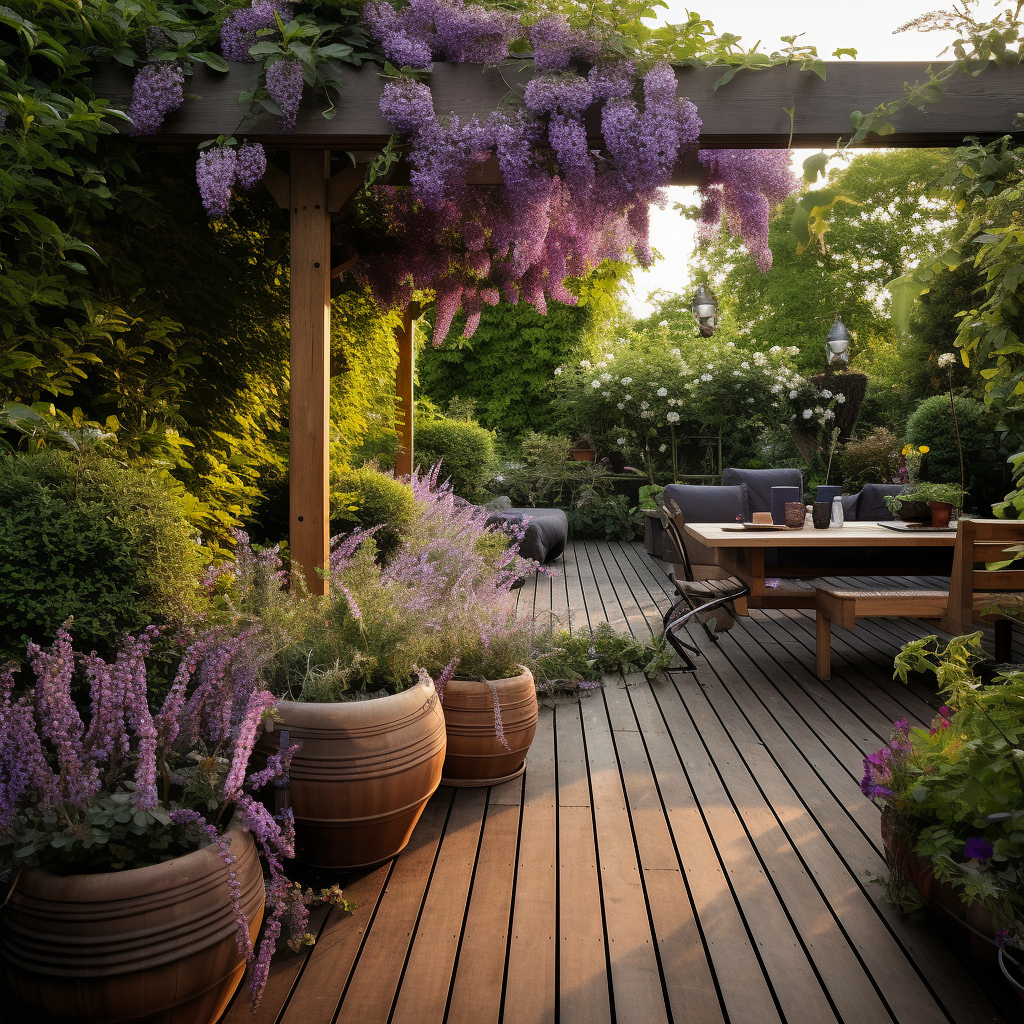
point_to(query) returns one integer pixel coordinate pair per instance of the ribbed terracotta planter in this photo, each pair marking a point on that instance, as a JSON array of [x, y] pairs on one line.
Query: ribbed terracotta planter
[[475, 757], [154, 945], [363, 775]]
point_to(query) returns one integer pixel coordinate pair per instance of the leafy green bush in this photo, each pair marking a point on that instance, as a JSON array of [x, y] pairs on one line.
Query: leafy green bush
[[596, 517], [873, 459], [83, 536], [464, 449], [367, 497], [931, 424]]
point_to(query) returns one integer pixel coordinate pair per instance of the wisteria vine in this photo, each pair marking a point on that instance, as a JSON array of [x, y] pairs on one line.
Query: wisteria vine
[[563, 206]]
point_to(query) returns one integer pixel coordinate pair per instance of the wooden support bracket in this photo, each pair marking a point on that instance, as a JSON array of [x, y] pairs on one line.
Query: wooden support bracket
[[277, 184], [344, 185]]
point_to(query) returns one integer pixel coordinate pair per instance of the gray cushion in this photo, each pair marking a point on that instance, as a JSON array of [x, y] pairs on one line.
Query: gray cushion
[[850, 505], [709, 504], [546, 532], [759, 484], [872, 507]]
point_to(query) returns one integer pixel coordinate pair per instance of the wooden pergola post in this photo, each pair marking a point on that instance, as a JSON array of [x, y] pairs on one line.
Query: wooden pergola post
[[404, 396], [310, 364]]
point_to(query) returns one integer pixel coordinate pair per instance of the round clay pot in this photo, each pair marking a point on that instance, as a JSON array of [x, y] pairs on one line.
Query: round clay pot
[[152, 945], [363, 775], [583, 454], [941, 512], [475, 756]]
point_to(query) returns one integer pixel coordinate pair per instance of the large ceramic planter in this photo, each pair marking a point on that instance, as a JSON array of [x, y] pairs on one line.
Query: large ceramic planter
[[363, 775], [475, 756], [154, 945]]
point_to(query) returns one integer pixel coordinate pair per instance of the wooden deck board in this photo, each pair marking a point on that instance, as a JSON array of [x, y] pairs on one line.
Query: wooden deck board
[[689, 850]]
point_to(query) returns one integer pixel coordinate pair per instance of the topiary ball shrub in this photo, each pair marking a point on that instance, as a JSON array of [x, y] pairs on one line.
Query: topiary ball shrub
[[464, 449], [367, 497], [872, 459], [931, 424], [87, 537]]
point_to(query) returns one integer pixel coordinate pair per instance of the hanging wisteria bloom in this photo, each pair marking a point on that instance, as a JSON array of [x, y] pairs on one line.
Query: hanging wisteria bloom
[[251, 165], [744, 185], [284, 83], [244, 28], [216, 170], [158, 90]]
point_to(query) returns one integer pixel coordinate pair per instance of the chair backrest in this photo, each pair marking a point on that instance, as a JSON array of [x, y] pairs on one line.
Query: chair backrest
[[695, 503], [759, 484], [982, 541], [871, 506]]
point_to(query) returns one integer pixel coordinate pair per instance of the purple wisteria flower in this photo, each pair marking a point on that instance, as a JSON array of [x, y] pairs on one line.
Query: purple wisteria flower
[[284, 83], [556, 45], [978, 848], [216, 170], [158, 90], [241, 30], [252, 165]]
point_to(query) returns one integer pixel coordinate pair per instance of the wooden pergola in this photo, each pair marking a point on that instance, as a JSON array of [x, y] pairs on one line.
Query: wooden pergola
[[751, 112]]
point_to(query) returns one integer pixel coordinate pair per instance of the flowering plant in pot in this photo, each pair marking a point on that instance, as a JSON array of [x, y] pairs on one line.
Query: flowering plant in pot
[[108, 820], [941, 499], [952, 795]]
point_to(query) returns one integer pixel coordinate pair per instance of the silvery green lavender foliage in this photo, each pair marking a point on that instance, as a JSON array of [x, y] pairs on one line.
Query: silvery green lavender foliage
[[127, 787], [524, 238], [158, 90]]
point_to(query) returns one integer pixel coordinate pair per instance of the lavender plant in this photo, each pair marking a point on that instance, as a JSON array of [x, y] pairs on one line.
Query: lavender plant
[[126, 787]]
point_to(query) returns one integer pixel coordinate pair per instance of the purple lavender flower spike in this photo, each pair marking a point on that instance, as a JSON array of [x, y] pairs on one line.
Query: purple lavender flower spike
[[158, 90], [252, 165], [284, 83], [215, 174]]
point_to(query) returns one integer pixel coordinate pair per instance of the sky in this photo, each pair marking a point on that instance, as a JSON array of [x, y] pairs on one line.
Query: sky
[[866, 25]]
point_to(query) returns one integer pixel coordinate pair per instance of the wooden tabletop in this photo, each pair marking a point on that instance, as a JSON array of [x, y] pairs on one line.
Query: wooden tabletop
[[852, 535]]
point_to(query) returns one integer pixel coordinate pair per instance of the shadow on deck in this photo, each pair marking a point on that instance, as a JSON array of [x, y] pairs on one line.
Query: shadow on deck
[[691, 850]]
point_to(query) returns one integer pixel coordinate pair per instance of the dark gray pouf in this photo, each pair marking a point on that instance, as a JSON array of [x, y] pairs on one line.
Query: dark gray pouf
[[546, 532]]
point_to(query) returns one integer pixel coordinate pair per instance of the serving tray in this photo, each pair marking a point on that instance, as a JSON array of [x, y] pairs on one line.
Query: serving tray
[[919, 527]]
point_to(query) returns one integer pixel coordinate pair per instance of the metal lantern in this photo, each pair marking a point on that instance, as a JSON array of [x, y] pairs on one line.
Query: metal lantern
[[705, 310], [838, 344]]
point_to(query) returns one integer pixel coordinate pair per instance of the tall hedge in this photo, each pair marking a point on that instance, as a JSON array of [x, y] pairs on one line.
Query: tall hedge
[[88, 538]]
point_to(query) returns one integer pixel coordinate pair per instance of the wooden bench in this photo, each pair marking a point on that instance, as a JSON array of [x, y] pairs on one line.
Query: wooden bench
[[969, 598]]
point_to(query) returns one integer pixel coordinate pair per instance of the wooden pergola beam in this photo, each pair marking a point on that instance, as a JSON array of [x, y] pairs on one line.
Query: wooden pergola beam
[[748, 112]]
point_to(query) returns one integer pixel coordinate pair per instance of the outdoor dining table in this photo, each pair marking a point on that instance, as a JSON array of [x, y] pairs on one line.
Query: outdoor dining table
[[741, 552]]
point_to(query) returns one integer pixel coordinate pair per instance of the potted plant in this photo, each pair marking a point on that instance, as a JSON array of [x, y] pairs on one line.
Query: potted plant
[[940, 500], [127, 837], [952, 795], [582, 450], [908, 473]]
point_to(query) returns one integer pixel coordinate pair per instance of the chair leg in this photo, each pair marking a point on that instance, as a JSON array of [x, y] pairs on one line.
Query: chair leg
[[1004, 641], [823, 637]]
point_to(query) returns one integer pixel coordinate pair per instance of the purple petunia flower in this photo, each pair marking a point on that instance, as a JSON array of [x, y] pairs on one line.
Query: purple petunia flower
[[978, 848]]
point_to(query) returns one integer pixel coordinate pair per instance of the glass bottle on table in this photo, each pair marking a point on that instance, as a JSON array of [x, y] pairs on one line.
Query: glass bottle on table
[[837, 511]]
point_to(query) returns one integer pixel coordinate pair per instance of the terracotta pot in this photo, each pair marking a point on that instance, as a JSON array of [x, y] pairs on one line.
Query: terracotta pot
[[475, 756], [583, 454], [941, 511], [154, 945], [914, 512], [364, 774]]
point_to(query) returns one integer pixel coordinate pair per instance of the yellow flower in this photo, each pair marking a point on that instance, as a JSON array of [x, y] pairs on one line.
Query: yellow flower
[[923, 449], [907, 449]]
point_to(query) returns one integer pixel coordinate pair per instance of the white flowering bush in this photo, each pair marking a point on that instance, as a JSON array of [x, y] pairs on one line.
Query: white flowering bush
[[643, 400]]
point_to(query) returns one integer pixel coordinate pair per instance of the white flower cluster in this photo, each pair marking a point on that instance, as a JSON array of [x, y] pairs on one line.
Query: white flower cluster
[[946, 359]]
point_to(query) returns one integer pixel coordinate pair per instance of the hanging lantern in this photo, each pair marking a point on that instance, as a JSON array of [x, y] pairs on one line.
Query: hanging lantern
[[705, 310], [838, 344]]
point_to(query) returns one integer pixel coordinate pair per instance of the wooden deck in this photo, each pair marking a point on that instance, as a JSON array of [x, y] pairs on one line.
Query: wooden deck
[[695, 850]]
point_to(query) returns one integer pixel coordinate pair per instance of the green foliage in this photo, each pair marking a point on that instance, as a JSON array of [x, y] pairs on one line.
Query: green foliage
[[932, 424], [872, 459], [508, 363], [543, 473], [584, 655], [464, 449], [83, 536], [368, 497], [868, 244], [604, 517]]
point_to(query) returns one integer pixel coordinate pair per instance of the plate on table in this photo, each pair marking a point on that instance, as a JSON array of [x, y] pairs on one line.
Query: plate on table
[[739, 527], [919, 527]]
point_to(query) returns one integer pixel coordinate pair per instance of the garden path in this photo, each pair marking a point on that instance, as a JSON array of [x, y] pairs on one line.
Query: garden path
[[694, 849]]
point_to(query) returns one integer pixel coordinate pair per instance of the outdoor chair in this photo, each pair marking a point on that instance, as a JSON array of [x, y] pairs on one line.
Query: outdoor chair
[[973, 594], [706, 593], [758, 484]]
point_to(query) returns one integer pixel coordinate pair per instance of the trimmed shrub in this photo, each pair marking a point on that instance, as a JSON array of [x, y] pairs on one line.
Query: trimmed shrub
[[464, 449], [367, 497], [84, 536], [931, 424], [872, 459]]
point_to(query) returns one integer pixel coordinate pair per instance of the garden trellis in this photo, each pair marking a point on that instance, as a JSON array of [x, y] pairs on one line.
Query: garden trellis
[[772, 108]]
